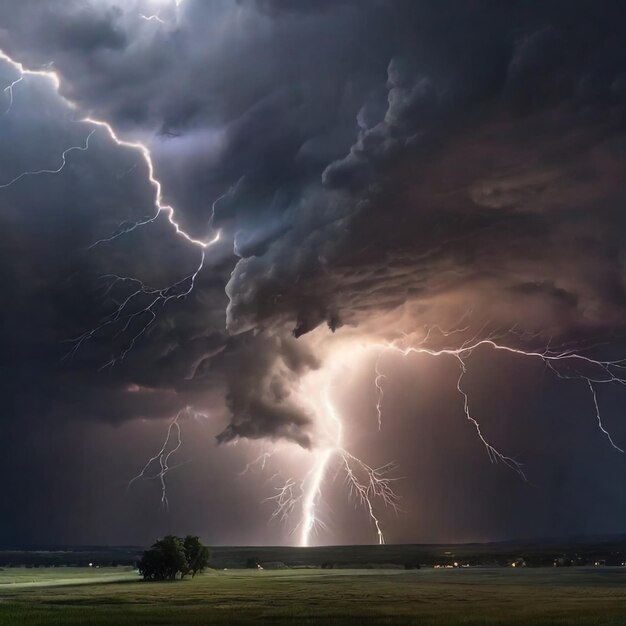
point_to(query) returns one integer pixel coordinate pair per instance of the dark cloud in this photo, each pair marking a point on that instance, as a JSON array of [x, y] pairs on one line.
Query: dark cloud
[[372, 165], [481, 169], [456, 158]]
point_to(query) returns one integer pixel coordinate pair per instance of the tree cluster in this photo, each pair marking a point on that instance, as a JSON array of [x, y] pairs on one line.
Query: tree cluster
[[173, 557]]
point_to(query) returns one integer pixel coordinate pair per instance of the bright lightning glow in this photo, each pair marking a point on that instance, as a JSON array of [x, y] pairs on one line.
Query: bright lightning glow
[[375, 484], [366, 484], [312, 494]]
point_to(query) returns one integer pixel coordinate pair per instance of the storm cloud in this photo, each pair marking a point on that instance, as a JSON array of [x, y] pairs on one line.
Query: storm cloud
[[373, 167]]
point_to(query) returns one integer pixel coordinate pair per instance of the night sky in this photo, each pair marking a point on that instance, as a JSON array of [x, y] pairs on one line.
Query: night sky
[[383, 174]]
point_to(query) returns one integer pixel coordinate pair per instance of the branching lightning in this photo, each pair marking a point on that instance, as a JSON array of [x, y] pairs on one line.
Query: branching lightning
[[161, 459], [599, 372], [160, 205], [144, 314], [172, 444], [366, 484], [124, 315], [260, 462], [136, 316], [376, 485], [370, 486], [494, 454]]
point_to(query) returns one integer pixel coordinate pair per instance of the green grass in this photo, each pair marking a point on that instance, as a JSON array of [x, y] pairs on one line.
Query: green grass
[[21, 576], [583, 597]]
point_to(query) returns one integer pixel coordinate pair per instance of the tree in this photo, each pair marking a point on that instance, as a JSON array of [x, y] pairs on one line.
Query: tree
[[172, 556], [196, 554], [164, 560]]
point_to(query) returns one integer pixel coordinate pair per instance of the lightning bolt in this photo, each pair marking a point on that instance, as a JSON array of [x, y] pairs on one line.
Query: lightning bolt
[[286, 499], [260, 462], [157, 297], [145, 314], [600, 372], [312, 493], [131, 311], [23, 72], [161, 458], [368, 484], [365, 483], [378, 383], [152, 18], [64, 154], [599, 418], [376, 485], [494, 454], [160, 205], [171, 444], [155, 17]]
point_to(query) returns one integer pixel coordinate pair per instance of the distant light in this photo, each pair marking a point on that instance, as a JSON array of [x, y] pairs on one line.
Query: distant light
[[90, 564]]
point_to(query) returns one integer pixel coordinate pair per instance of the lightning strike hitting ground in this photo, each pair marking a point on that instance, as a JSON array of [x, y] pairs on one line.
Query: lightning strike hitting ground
[[567, 364], [304, 498], [366, 484]]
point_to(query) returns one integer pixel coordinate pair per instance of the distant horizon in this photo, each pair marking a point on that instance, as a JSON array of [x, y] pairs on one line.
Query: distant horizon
[[591, 539]]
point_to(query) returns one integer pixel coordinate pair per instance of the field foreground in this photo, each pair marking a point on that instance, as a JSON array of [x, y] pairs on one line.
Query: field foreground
[[68, 596]]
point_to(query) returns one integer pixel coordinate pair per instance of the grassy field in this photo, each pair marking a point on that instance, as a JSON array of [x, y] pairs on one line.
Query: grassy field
[[69, 596]]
